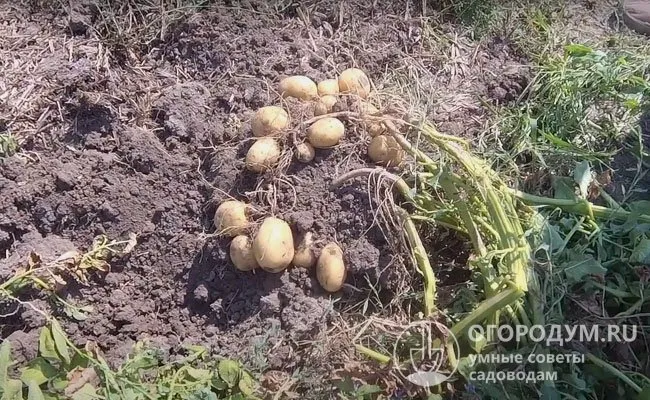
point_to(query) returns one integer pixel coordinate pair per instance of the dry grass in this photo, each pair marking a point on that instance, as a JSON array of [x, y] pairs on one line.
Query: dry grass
[[29, 91], [40, 60], [445, 92]]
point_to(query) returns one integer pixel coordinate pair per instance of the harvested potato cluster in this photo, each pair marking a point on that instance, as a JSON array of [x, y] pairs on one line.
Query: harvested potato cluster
[[272, 246]]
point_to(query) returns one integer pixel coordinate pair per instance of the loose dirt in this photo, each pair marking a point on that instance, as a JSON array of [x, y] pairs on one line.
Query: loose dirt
[[149, 140]]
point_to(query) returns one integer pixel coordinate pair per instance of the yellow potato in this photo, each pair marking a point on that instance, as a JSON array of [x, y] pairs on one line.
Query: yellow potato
[[230, 219], [241, 253], [298, 86], [367, 107], [269, 121], [324, 106], [329, 101], [320, 109], [375, 129], [304, 256], [305, 152], [354, 81], [386, 151], [325, 132], [263, 155], [273, 245], [330, 268], [328, 86]]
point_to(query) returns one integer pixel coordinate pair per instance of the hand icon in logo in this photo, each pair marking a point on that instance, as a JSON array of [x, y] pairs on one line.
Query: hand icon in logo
[[427, 343]]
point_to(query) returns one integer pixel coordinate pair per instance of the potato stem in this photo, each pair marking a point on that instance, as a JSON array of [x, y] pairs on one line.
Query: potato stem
[[417, 248]]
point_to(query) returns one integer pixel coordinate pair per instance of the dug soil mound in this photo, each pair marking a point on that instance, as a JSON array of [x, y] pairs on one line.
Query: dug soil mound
[[150, 140]]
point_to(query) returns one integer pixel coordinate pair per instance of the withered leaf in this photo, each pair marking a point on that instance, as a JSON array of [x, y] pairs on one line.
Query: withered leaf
[[79, 377]]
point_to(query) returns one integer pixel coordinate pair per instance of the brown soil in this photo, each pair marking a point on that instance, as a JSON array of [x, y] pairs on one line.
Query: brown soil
[[149, 139]]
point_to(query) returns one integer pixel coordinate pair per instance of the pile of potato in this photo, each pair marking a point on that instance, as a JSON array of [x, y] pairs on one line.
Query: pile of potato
[[271, 124], [272, 247]]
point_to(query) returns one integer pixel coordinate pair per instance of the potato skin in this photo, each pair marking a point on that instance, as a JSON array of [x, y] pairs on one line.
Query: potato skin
[[230, 219], [263, 155], [328, 87], [320, 108], [241, 253], [305, 152], [330, 268], [273, 245], [324, 106], [375, 129], [269, 121], [329, 100], [385, 150], [354, 81], [304, 258], [299, 86], [325, 133]]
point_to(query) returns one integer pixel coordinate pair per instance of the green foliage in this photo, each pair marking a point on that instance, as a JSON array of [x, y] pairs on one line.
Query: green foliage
[[477, 14], [63, 371], [583, 254], [588, 250], [582, 103], [581, 107], [50, 374], [51, 277]]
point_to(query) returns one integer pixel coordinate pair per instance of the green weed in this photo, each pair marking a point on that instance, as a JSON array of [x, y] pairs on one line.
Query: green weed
[[581, 105], [592, 270], [477, 14], [64, 371], [534, 257], [526, 23], [350, 391], [52, 276]]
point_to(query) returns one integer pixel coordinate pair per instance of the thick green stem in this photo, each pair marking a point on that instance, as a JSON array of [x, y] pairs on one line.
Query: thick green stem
[[614, 371], [422, 261], [580, 207], [479, 247], [375, 355], [465, 215], [485, 309], [501, 210]]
